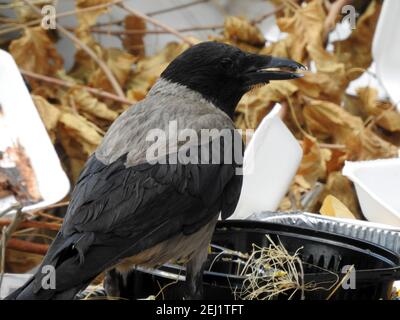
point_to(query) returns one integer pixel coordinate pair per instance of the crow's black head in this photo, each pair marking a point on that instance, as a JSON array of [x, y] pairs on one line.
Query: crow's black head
[[223, 74]]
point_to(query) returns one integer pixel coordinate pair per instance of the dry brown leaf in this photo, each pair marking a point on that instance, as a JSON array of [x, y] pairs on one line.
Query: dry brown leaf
[[34, 51], [330, 120], [336, 160], [119, 62], [255, 104], [277, 91], [390, 120], [307, 26], [25, 13], [88, 18], [79, 139], [89, 105], [370, 146], [313, 166], [332, 77], [384, 113], [82, 132], [341, 188], [84, 65], [45, 91], [239, 29], [368, 99], [49, 115], [326, 119], [258, 102], [353, 105], [312, 84], [134, 43], [333, 207]]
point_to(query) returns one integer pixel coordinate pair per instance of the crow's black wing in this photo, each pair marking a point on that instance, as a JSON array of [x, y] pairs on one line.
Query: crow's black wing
[[134, 201], [118, 211]]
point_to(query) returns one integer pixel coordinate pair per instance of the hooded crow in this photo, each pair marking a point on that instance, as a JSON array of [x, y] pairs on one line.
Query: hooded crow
[[145, 197]]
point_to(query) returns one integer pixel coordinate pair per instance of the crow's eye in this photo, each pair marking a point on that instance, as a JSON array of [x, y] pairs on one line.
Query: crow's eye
[[226, 63]]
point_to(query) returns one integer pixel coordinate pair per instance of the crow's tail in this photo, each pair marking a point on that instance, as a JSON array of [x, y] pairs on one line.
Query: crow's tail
[[65, 270]]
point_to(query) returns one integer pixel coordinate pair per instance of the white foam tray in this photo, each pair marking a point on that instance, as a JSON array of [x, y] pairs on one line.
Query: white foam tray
[[377, 184], [25, 126], [11, 282], [270, 162], [386, 49]]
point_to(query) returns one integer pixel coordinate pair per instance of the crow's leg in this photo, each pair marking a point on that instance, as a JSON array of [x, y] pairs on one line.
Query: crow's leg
[[194, 275], [195, 266], [112, 283]]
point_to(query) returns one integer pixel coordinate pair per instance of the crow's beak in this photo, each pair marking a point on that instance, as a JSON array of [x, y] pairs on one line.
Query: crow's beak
[[267, 68]]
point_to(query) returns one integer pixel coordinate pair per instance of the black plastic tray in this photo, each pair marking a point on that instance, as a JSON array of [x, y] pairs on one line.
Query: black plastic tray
[[376, 267]]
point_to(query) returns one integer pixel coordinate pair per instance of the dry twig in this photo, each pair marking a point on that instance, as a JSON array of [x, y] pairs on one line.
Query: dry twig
[[177, 7], [67, 84], [6, 235], [33, 224], [27, 246]]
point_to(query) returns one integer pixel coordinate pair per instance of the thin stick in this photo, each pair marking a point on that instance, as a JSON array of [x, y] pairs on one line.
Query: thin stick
[[141, 31], [12, 207], [294, 117], [310, 198], [27, 246], [177, 7], [331, 146], [55, 205], [155, 22], [58, 15], [67, 84], [346, 276], [14, 224], [3, 254], [28, 233], [33, 224], [103, 66], [5, 237], [48, 216]]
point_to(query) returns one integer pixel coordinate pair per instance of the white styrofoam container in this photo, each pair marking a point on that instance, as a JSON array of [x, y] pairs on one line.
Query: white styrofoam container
[[11, 282], [384, 72], [270, 162], [25, 126], [386, 49], [377, 183]]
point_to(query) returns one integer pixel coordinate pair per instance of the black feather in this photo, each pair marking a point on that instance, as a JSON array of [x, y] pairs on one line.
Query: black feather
[[118, 211]]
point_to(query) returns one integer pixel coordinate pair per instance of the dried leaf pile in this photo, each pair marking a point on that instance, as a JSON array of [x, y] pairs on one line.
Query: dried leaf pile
[[330, 125]]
